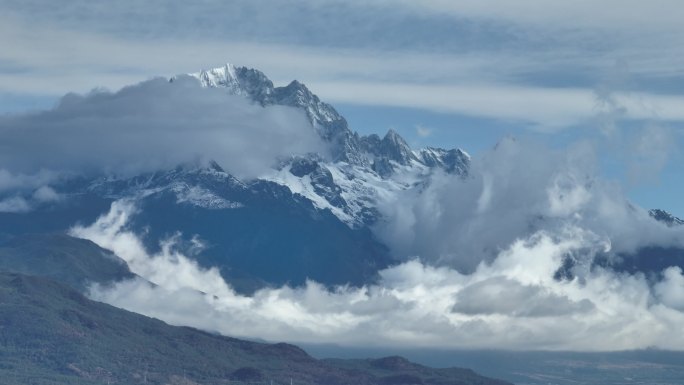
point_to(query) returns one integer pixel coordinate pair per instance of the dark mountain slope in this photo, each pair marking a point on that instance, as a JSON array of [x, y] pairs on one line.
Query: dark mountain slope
[[76, 207], [257, 232], [398, 370], [51, 334], [73, 261], [275, 236]]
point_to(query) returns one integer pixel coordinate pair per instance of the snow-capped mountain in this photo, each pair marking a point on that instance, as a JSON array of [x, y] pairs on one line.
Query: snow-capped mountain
[[348, 146], [665, 217], [255, 232], [363, 169], [308, 217]]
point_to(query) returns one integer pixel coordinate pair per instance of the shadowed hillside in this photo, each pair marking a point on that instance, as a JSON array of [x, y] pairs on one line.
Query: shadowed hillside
[[51, 334]]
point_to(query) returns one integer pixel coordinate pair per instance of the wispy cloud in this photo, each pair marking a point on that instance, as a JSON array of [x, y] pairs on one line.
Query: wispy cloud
[[538, 64], [621, 15], [539, 108], [14, 205], [487, 276], [512, 191], [149, 126], [465, 57], [423, 131]]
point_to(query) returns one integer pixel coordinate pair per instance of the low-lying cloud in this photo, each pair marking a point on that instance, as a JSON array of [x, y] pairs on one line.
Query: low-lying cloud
[[153, 125], [512, 192], [23, 197], [512, 302], [15, 204], [19, 181], [499, 295]]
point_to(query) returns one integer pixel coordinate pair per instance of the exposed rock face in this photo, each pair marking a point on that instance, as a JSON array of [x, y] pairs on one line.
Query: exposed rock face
[[665, 217], [346, 145]]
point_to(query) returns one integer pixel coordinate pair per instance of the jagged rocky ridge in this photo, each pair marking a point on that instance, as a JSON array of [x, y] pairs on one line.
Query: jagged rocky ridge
[[308, 218], [361, 169], [256, 232], [259, 231], [348, 146], [665, 217]]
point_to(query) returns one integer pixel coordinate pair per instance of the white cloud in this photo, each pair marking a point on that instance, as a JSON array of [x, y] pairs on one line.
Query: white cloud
[[500, 295], [149, 126], [14, 205], [73, 61], [513, 191], [46, 194], [12, 181], [19, 193], [481, 80], [540, 108], [499, 236], [513, 302], [608, 14], [649, 151], [671, 289], [423, 131]]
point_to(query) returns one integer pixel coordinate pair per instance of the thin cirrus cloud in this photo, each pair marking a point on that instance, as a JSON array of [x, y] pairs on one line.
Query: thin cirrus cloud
[[464, 58], [423, 131], [542, 109]]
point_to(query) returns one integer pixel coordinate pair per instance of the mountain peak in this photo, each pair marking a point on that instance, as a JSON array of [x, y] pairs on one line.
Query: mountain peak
[[347, 146], [454, 161], [296, 94], [665, 217], [254, 85], [224, 76], [394, 137], [395, 148], [243, 81]]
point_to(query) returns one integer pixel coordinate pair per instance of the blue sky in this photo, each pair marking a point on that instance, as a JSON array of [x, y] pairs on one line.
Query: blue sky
[[442, 73]]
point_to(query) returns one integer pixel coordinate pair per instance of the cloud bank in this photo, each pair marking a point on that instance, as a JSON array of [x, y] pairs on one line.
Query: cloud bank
[[512, 302], [554, 54], [513, 191], [153, 125]]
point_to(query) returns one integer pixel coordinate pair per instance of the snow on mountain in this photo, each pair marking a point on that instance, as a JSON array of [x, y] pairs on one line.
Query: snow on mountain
[[202, 197], [360, 173], [665, 217], [238, 81], [351, 192], [363, 170], [199, 186], [255, 85], [453, 161]]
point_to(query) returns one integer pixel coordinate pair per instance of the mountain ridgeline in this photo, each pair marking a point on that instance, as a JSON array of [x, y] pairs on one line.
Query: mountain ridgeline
[[51, 334], [310, 218], [347, 146]]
